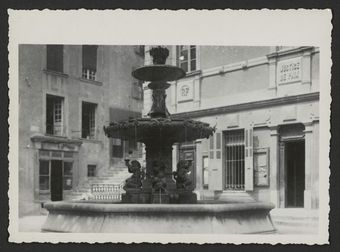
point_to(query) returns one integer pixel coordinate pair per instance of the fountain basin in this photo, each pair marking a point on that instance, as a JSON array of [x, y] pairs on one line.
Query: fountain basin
[[208, 218], [172, 129]]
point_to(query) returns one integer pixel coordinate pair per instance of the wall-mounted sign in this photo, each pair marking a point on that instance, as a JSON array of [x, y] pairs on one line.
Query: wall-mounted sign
[[185, 91], [289, 70], [261, 167]]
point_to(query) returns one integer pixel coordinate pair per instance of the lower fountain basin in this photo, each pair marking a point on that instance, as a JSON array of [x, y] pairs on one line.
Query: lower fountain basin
[[227, 218]]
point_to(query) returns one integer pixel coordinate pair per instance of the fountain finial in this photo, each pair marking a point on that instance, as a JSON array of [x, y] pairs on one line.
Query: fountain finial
[[159, 55]]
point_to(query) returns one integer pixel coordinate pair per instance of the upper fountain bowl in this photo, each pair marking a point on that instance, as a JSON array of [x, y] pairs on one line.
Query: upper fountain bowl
[[158, 71]]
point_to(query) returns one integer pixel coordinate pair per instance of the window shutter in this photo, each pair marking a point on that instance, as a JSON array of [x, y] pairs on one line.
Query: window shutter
[[215, 162], [90, 57], [55, 57], [249, 169]]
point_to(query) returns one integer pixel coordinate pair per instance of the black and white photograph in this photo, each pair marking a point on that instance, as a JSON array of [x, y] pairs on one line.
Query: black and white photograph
[[169, 138]]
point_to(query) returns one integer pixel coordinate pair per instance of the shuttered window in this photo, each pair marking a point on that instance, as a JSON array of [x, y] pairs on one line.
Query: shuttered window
[[215, 179], [89, 62], [55, 58]]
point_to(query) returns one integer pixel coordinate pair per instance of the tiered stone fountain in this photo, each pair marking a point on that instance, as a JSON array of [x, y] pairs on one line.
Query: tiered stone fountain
[[159, 132], [159, 201]]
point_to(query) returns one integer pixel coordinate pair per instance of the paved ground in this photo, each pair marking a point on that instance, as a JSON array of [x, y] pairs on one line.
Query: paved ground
[[31, 223]]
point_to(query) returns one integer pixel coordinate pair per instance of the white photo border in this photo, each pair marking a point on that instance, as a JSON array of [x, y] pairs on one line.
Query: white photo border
[[149, 27]]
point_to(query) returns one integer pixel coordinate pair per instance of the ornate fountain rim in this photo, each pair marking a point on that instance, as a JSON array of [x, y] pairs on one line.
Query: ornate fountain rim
[[123, 128]]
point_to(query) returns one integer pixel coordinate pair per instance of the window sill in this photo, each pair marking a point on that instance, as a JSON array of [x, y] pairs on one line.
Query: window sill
[[193, 73], [233, 191], [93, 82], [90, 140], [56, 136], [55, 73], [54, 139]]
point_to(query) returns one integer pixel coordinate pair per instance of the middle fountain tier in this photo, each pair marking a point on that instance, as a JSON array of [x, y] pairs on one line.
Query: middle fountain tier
[[159, 131]]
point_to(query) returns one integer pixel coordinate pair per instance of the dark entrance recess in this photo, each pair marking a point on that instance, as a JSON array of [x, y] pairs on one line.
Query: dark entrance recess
[[295, 173], [56, 180], [187, 152]]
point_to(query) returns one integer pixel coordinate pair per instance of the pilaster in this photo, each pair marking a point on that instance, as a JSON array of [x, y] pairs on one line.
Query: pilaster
[[175, 154], [274, 165], [309, 142], [272, 72], [199, 168], [173, 97], [197, 91], [306, 68]]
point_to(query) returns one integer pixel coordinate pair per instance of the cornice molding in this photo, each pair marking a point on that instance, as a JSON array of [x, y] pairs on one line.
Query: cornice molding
[[54, 139], [290, 51], [60, 74], [249, 105]]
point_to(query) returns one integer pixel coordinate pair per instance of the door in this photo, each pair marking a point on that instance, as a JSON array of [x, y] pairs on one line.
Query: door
[[189, 155], [295, 173], [56, 180]]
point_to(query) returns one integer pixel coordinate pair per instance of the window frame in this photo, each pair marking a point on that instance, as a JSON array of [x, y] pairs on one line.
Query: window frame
[[94, 170], [92, 123], [60, 116], [189, 58], [121, 148], [87, 72], [48, 158], [137, 91], [240, 160], [48, 175]]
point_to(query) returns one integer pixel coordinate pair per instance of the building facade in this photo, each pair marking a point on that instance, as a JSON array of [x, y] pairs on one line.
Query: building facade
[[67, 93], [264, 103]]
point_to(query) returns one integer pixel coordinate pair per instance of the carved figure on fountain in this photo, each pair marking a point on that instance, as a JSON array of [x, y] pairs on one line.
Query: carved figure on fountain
[[135, 181], [181, 175], [159, 55], [158, 177]]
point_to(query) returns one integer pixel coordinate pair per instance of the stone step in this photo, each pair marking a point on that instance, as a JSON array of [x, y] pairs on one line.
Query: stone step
[[205, 195], [105, 179], [234, 197], [112, 176], [292, 224], [295, 220], [114, 172]]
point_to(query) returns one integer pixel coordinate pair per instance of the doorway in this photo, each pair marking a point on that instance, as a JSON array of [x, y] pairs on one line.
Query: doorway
[[187, 152], [56, 180], [295, 173]]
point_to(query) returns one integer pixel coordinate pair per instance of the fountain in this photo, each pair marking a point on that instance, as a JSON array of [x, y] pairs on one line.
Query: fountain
[[159, 200]]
